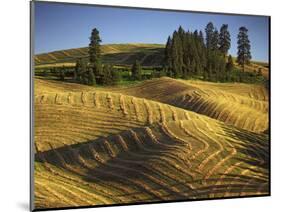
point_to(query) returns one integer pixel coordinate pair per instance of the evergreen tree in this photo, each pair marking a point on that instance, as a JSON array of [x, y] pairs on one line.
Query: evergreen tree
[[215, 41], [229, 67], [209, 30], [136, 71], [215, 66], [189, 54], [177, 55], [221, 75], [196, 34], [94, 46], [224, 39], [95, 52], [193, 66], [201, 37], [181, 33], [201, 53], [91, 77], [186, 56], [77, 70], [244, 48], [168, 56]]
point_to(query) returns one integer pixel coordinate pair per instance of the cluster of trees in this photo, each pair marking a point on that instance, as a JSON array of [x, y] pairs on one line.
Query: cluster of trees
[[85, 73], [94, 72], [189, 53]]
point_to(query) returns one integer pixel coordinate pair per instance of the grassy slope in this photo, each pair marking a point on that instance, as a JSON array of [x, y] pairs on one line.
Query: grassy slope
[[107, 146], [241, 105]]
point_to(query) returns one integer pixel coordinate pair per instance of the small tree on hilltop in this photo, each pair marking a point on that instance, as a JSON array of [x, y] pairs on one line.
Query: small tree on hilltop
[[244, 48], [95, 52], [94, 46]]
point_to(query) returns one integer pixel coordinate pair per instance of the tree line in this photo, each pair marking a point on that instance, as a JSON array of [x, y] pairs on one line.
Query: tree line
[[187, 54], [94, 72], [190, 53]]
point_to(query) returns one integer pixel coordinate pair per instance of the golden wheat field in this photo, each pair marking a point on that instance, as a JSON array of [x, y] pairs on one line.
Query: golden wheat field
[[161, 140]]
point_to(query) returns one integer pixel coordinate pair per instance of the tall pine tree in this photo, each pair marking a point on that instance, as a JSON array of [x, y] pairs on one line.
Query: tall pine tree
[[177, 55], [168, 56], [244, 48], [224, 39], [215, 41], [95, 52], [209, 30]]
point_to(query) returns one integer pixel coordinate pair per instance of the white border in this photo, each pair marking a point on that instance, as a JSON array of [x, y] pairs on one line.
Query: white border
[[14, 113]]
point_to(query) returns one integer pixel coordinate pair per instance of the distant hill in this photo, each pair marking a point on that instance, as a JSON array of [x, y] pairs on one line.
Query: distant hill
[[123, 54]]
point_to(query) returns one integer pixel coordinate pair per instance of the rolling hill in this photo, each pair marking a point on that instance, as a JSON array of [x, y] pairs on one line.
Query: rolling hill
[[242, 105], [149, 142], [123, 54]]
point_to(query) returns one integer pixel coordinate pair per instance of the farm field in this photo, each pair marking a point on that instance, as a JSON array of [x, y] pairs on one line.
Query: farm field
[[159, 140], [135, 106]]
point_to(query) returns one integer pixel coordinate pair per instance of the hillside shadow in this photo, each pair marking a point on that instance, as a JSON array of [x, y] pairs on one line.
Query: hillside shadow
[[132, 169], [126, 168], [253, 146]]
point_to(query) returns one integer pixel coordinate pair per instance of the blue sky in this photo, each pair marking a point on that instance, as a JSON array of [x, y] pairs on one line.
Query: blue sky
[[63, 26]]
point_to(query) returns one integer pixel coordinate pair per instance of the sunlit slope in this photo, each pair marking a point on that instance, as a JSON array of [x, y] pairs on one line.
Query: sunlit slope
[[42, 86], [143, 143], [147, 54], [170, 160], [242, 105], [66, 118]]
